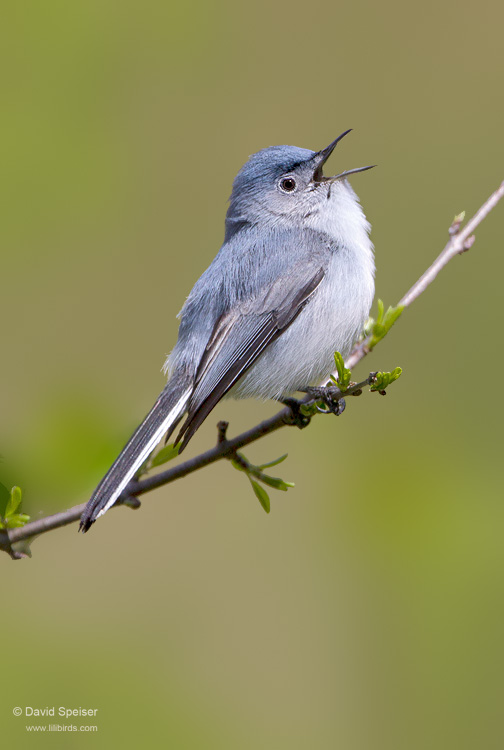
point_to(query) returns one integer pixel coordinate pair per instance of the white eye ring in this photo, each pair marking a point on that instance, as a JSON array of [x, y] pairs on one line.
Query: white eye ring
[[287, 184]]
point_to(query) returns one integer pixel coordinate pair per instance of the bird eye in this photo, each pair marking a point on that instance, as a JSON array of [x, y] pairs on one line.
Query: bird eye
[[287, 184]]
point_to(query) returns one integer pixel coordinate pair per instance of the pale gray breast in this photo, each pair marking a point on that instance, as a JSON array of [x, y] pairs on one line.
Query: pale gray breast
[[331, 321]]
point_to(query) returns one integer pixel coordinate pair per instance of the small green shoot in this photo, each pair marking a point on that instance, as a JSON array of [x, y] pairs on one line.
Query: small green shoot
[[255, 475], [344, 373], [168, 453], [379, 328], [456, 224], [382, 380], [11, 519]]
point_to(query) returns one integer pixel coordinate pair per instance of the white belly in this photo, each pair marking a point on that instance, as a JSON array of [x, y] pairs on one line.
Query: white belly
[[331, 321]]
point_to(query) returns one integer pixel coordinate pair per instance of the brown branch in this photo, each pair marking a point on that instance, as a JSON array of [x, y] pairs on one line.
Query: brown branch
[[48, 523], [222, 449], [460, 241]]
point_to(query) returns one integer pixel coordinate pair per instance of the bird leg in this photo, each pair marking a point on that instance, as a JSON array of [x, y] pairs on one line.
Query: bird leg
[[331, 397]]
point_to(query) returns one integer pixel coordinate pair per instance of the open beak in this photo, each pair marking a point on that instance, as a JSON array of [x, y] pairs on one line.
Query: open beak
[[321, 157]]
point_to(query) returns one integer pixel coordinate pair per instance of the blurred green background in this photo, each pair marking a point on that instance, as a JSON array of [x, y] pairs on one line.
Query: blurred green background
[[367, 610]]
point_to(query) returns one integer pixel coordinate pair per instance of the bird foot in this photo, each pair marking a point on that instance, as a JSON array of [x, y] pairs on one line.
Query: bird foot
[[331, 397], [298, 418]]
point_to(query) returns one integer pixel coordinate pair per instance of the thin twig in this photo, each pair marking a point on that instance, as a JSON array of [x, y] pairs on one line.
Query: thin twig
[[458, 243], [460, 240], [48, 523], [222, 449]]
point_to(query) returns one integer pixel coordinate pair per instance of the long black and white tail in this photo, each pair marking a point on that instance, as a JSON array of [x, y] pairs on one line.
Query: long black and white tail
[[162, 418]]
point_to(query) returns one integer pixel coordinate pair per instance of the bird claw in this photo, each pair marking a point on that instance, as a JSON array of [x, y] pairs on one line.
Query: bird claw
[[331, 397]]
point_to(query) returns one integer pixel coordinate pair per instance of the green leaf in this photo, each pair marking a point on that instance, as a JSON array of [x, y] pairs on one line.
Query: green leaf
[[241, 464], [383, 379], [273, 463], [261, 495], [368, 328], [384, 322], [392, 314], [275, 482], [17, 520], [381, 310], [344, 373], [13, 520], [238, 465], [168, 453], [14, 502]]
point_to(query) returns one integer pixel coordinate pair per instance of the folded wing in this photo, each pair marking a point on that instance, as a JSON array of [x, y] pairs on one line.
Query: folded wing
[[241, 335]]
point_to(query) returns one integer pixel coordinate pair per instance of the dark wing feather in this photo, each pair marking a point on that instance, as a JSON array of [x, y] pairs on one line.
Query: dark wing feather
[[240, 336]]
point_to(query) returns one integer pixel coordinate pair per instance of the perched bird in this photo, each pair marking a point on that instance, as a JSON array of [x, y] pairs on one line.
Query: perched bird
[[292, 283]]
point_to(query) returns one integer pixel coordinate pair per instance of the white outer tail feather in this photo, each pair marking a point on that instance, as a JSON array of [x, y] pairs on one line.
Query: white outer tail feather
[[172, 417]]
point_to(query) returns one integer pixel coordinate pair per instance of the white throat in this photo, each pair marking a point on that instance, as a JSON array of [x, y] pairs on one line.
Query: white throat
[[342, 218]]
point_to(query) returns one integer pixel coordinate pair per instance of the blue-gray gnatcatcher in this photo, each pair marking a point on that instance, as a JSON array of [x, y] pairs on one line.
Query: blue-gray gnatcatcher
[[292, 283]]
